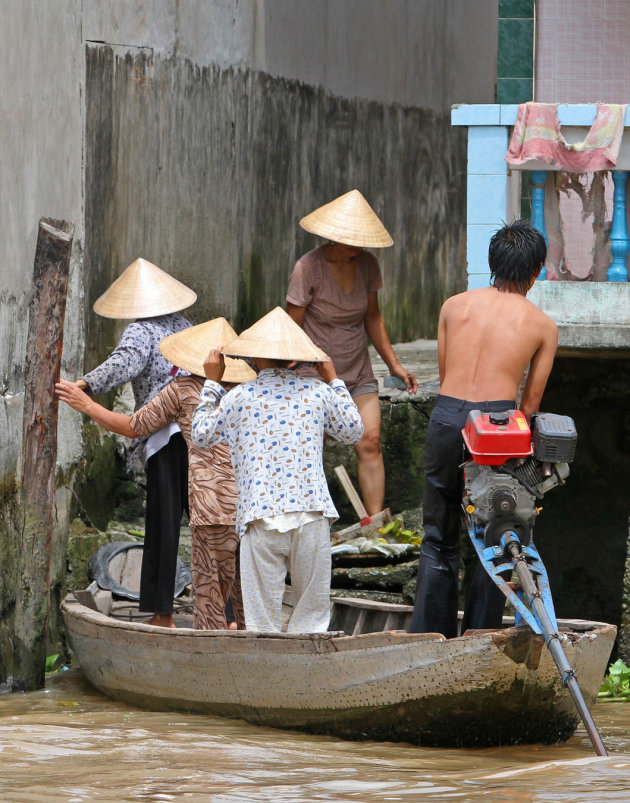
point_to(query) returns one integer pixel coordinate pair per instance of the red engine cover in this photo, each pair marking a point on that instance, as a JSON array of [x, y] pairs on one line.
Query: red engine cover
[[491, 444]]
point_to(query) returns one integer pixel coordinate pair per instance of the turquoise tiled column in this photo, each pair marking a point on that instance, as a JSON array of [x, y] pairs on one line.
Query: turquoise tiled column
[[515, 51], [487, 197]]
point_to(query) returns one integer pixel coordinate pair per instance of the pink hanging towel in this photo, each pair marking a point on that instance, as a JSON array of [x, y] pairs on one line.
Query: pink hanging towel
[[537, 136]]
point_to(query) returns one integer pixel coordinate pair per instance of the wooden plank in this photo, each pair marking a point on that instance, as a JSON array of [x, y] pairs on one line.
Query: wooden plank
[[353, 496], [84, 597], [358, 627], [390, 622], [371, 604]]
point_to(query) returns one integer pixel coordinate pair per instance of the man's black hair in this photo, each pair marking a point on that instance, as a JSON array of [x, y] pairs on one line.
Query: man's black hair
[[515, 254]]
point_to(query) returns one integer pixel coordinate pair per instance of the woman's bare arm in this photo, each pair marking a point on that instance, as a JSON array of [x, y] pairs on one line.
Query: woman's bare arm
[[376, 331], [297, 313], [71, 394]]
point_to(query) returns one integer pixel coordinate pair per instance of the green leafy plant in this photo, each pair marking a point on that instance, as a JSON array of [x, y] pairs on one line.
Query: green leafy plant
[[50, 663], [396, 529], [616, 685]]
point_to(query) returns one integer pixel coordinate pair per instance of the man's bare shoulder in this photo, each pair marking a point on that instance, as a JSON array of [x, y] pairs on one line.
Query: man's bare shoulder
[[497, 305], [465, 298], [542, 317]]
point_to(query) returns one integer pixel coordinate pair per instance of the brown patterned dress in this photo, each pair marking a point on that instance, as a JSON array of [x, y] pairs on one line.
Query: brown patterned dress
[[212, 495]]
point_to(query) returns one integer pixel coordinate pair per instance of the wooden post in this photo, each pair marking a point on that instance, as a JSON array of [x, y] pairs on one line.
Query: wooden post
[[39, 451]]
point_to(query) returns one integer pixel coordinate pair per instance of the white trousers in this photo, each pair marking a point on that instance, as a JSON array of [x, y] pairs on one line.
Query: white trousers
[[265, 558]]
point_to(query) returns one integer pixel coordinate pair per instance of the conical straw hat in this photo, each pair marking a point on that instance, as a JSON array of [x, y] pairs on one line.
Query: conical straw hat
[[276, 336], [348, 219], [144, 291], [189, 348]]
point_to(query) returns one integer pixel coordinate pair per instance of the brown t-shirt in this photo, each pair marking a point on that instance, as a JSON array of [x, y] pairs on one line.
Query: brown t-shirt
[[334, 320], [211, 485]]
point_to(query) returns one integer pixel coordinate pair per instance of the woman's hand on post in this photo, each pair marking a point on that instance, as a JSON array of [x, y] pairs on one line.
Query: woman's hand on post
[[214, 364], [407, 377], [326, 370], [71, 393]]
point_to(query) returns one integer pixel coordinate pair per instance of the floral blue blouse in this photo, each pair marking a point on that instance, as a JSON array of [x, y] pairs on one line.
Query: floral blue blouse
[[137, 359]]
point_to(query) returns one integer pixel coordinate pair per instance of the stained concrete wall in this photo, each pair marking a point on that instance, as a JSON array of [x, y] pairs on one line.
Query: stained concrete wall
[[424, 53], [41, 63], [40, 175], [196, 133], [204, 130], [214, 192], [208, 135]]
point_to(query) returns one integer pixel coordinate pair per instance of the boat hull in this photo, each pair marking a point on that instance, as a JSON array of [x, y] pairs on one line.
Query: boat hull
[[491, 688]]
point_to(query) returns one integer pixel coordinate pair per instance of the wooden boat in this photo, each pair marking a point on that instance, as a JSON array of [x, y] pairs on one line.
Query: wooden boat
[[373, 681]]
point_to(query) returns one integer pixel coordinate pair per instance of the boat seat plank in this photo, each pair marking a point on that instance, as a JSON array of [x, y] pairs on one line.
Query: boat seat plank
[[358, 627]]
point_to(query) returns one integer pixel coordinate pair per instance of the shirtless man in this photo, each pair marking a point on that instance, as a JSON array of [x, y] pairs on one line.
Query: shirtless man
[[486, 340]]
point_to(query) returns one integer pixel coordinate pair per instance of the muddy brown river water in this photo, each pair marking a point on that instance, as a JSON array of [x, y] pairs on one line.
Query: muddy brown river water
[[69, 743]]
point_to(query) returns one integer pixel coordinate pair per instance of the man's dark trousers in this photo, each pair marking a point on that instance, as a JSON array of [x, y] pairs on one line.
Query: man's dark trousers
[[435, 609]]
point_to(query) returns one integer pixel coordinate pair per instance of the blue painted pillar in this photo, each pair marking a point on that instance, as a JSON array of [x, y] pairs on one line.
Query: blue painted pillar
[[539, 177], [617, 272], [486, 196]]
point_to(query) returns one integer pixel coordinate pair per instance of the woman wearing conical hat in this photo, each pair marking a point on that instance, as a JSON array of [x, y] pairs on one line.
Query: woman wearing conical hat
[[333, 295], [274, 427], [152, 299], [212, 490]]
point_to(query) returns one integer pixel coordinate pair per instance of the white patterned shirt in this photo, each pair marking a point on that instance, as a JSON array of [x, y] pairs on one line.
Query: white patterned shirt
[[275, 428]]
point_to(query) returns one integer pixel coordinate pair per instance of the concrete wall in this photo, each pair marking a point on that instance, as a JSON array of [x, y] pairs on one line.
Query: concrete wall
[[196, 133], [208, 135], [41, 63], [214, 192], [424, 53], [40, 175]]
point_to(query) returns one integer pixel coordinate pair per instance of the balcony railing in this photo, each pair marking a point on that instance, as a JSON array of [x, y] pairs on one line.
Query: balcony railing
[[591, 315], [494, 186]]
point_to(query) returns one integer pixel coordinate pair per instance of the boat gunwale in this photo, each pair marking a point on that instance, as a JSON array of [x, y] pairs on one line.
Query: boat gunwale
[[333, 641], [71, 607]]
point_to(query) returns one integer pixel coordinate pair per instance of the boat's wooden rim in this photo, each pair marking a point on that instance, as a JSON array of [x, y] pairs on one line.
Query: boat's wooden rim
[[393, 607], [79, 611]]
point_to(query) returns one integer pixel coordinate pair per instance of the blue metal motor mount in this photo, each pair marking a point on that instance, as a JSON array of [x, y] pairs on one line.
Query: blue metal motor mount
[[496, 562]]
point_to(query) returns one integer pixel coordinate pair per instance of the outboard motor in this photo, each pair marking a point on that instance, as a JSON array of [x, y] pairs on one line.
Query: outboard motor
[[510, 469]]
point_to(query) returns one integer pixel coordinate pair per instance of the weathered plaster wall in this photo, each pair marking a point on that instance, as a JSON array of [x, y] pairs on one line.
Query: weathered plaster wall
[[213, 193], [209, 134], [423, 53], [40, 175]]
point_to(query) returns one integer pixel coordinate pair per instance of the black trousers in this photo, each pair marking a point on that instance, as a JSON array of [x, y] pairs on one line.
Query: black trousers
[[435, 609], [167, 498]]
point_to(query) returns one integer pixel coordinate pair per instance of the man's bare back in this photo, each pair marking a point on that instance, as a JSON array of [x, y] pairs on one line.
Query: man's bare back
[[486, 340]]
